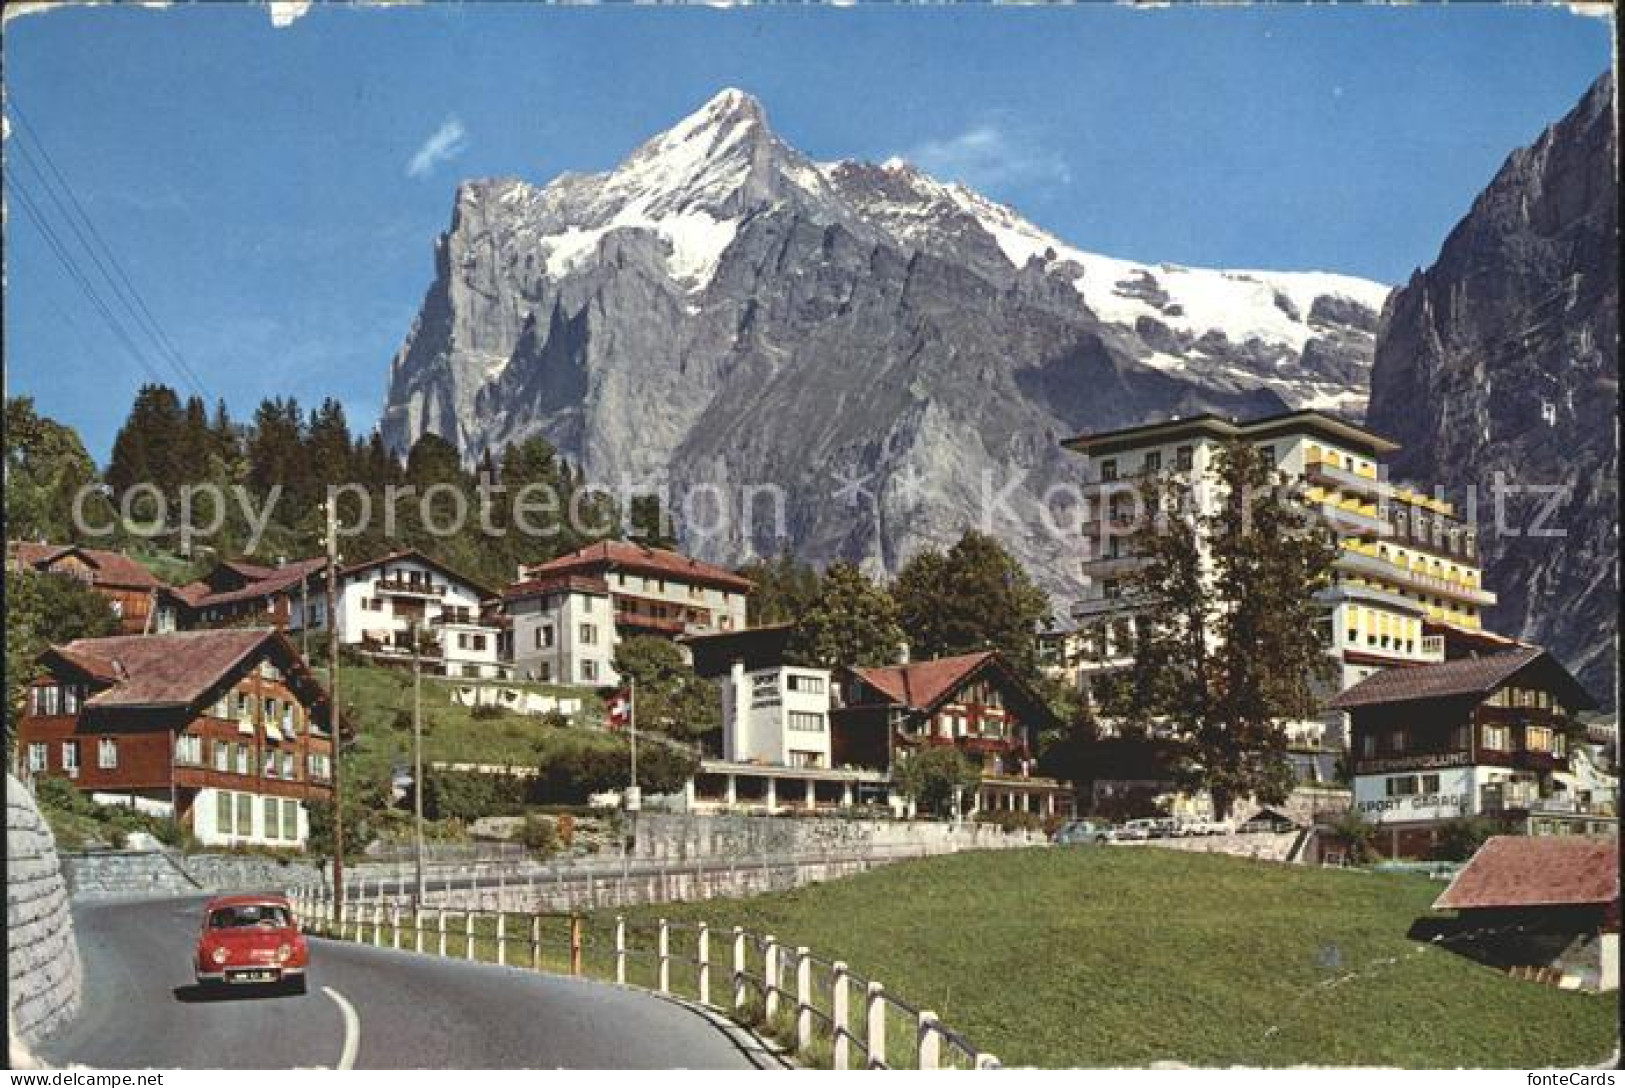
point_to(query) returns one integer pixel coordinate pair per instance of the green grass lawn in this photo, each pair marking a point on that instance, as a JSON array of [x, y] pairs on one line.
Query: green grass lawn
[[380, 703], [1108, 957]]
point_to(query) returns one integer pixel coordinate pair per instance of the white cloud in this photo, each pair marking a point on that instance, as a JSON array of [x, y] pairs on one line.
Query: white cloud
[[284, 12], [990, 155], [446, 144]]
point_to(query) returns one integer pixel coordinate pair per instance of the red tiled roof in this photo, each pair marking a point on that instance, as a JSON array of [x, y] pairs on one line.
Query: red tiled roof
[[575, 583], [1464, 676], [624, 555], [923, 683], [174, 669], [107, 568], [1539, 870]]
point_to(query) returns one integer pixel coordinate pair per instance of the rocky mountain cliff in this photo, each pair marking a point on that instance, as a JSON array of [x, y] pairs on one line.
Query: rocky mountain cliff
[[889, 350], [1502, 358]]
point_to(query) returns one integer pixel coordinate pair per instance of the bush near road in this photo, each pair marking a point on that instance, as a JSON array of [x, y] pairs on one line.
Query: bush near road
[[1107, 957]]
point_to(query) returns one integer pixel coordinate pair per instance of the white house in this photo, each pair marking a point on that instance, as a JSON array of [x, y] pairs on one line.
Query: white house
[[563, 630], [778, 714], [380, 601]]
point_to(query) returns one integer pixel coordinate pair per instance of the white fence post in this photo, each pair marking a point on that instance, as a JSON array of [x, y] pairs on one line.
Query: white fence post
[[468, 935], [930, 1041], [803, 998], [378, 923], [440, 927], [536, 941], [620, 950], [839, 1008], [876, 1027], [739, 967], [417, 928], [770, 974], [665, 957], [704, 956], [502, 939], [394, 925]]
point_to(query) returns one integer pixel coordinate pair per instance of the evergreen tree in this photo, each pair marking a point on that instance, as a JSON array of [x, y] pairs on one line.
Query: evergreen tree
[[670, 698], [1231, 643], [276, 453], [782, 589], [151, 445], [974, 597], [852, 621], [327, 453]]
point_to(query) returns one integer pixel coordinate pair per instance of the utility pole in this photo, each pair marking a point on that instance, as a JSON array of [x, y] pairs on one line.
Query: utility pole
[[634, 795], [336, 718], [417, 763]]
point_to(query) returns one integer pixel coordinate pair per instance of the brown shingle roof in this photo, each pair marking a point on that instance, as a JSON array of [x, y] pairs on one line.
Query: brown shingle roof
[[1465, 676], [106, 568], [625, 555], [267, 581], [556, 583], [1530, 871], [173, 669]]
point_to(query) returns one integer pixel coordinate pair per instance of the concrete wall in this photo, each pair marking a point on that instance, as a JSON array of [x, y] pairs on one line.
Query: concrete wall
[[43, 972], [752, 837], [128, 874], [1266, 846]]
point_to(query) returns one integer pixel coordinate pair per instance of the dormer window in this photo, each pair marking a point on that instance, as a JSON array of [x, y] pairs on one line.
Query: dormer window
[[1108, 469]]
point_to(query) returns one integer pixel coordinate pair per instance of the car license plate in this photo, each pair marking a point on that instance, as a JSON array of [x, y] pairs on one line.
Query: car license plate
[[264, 974]]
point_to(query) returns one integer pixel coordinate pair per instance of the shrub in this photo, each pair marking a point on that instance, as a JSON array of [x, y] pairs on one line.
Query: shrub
[[485, 712], [539, 835], [1460, 839]]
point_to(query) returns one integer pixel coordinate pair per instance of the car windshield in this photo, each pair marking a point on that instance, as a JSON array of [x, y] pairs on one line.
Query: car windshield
[[249, 916]]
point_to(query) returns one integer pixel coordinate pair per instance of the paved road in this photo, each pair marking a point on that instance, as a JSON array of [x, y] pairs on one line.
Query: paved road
[[370, 1008]]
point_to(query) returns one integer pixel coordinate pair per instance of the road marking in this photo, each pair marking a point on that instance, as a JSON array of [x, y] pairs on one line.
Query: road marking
[[352, 1028]]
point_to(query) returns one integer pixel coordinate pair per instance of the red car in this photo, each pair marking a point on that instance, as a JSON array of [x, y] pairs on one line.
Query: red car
[[250, 940]]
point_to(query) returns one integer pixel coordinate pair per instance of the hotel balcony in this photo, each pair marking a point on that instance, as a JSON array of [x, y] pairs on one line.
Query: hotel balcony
[[1357, 521], [1096, 607], [1329, 475], [405, 587], [1130, 483], [1113, 525], [1356, 562], [638, 621], [1104, 566]]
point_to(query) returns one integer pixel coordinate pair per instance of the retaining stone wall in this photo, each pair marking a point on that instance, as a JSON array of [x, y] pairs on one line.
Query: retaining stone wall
[[43, 971]]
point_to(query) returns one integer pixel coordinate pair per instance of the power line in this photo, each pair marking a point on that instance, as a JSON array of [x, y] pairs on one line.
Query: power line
[[71, 267], [123, 287]]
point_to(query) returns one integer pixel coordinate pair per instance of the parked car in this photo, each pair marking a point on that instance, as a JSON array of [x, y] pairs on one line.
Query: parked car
[[250, 940], [1164, 827], [1078, 832], [1137, 831]]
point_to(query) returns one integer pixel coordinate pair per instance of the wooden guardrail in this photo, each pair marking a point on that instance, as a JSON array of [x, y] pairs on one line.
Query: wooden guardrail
[[828, 1013]]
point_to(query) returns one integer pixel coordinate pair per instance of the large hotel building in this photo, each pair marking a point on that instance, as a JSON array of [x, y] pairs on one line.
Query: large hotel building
[[1408, 587]]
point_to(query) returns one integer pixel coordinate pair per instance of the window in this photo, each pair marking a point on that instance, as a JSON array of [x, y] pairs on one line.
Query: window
[[223, 811], [242, 759], [544, 636], [479, 644], [810, 685], [1430, 783], [1184, 458], [1110, 589], [589, 671], [1402, 786], [38, 754], [1368, 745], [1108, 469], [290, 820], [50, 699], [1396, 740], [1498, 738], [245, 814], [803, 722], [272, 816], [189, 750], [806, 759], [1537, 739], [70, 699], [287, 765], [222, 756], [589, 634], [70, 758], [544, 672], [1267, 455], [1153, 461]]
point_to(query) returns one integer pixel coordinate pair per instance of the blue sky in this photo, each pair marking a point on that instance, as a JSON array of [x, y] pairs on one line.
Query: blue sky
[[273, 194]]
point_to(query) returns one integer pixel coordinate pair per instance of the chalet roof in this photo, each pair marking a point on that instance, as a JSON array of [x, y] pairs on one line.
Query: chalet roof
[[107, 568], [921, 685], [1536, 870], [169, 670], [414, 556], [555, 583], [1462, 677], [264, 582], [625, 555]]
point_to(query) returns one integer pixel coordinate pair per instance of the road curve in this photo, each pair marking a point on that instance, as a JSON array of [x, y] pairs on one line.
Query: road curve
[[405, 1011]]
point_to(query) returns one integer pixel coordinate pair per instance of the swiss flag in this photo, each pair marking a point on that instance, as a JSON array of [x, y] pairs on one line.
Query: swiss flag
[[620, 710]]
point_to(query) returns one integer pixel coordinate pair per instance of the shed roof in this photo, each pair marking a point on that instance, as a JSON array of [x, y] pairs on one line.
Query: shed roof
[[1530, 871]]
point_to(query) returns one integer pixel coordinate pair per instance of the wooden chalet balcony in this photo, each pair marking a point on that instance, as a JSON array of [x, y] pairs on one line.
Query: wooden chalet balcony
[[1499, 797], [638, 621], [462, 617], [405, 587]]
